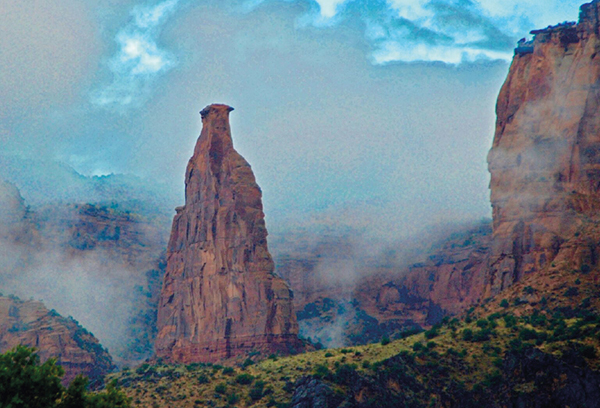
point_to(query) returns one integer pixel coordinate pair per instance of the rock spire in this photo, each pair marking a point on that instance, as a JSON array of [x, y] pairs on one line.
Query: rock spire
[[220, 297]]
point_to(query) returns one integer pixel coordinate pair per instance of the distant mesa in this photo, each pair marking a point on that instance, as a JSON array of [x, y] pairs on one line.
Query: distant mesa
[[220, 297]]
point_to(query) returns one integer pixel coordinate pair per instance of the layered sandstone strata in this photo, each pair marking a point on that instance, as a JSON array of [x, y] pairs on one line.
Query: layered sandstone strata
[[545, 159], [74, 348], [220, 298]]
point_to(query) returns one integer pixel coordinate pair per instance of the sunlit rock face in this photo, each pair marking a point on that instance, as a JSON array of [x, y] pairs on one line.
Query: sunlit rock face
[[545, 159], [29, 323], [220, 298]]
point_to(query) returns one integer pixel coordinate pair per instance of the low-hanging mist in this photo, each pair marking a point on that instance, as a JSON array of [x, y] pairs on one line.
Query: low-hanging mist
[[99, 264]]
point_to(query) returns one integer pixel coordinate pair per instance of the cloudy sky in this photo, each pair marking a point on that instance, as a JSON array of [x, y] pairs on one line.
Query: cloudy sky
[[349, 107]]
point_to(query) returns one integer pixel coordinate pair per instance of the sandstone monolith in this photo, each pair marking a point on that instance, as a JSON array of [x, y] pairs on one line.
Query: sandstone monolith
[[220, 297]]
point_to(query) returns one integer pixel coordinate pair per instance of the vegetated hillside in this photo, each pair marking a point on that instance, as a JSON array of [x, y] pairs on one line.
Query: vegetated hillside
[[518, 351], [346, 294]]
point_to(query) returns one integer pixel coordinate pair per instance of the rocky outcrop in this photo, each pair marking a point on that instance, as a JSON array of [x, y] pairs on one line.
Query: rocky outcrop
[[29, 323], [135, 240], [545, 159], [310, 392], [14, 216], [220, 298], [344, 297]]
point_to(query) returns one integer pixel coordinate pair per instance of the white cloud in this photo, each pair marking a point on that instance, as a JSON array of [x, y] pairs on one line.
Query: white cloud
[[147, 17], [138, 60], [411, 9], [450, 31], [391, 51], [329, 7]]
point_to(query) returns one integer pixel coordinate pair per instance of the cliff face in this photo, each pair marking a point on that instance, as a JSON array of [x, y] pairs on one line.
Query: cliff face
[[545, 159], [220, 298], [31, 324], [343, 297]]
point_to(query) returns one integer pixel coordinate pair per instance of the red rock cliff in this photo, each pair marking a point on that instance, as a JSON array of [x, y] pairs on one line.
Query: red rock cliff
[[75, 349], [220, 298], [545, 159]]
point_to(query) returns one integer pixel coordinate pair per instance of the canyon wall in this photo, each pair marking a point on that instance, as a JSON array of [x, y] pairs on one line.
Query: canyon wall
[[220, 298], [344, 296], [545, 159]]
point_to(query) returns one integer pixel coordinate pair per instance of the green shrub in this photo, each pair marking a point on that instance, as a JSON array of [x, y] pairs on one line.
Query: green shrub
[[498, 362], [247, 362], [203, 379], [467, 335], [572, 291], [228, 371], [515, 345], [585, 303], [510, 320], [482, 335], [345, 374], [587, 351], [494, 316], [142, 369], [25, 383], [221, 388], [504, 303], [431, 334], [528, 334], [244, 379], [232, 399], [492, 379], [321, 371], [385, 341], [257, 390], [482, 323]]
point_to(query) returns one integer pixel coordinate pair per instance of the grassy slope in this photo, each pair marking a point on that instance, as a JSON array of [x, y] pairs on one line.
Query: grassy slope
[[437, 360], [554, 311]]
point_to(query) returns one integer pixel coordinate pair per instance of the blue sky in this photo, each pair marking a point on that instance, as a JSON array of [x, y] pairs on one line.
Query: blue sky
[[343, 107]]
